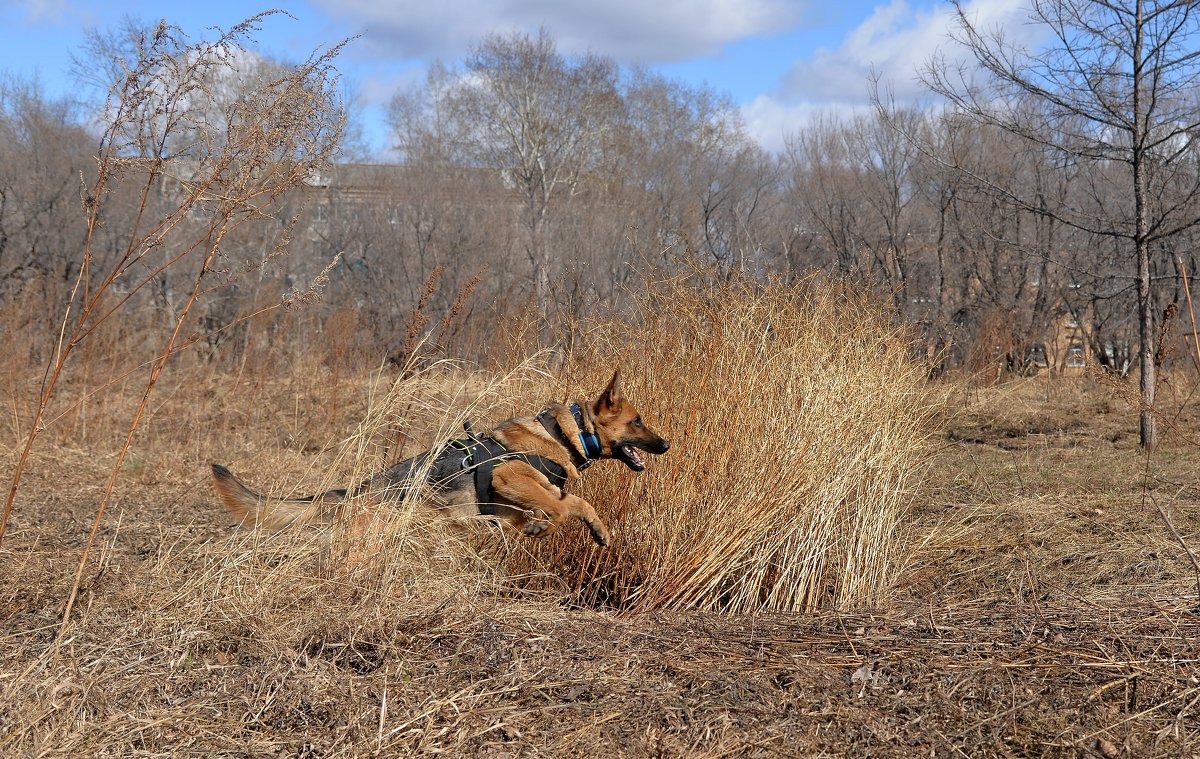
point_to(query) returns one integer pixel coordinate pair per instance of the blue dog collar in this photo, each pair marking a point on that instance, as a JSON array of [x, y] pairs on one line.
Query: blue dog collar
[[589, 440]]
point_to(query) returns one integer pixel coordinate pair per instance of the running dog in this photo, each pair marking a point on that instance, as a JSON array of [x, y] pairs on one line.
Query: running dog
[[518, 472]]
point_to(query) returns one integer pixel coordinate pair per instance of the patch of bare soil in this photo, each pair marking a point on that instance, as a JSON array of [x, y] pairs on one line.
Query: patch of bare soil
[[1048, 610]]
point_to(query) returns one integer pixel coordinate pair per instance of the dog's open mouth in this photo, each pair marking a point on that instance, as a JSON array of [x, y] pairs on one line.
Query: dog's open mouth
[[632, 457]]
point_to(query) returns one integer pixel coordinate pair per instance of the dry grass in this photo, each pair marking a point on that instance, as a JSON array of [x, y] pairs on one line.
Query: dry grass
[[1043, 492], [1042, 609]]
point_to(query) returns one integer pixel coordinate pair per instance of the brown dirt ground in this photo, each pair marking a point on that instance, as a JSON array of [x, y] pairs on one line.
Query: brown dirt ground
[[1047, 611]]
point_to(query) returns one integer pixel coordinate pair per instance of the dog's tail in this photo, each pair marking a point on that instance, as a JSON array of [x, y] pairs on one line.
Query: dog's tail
[[273, 513]]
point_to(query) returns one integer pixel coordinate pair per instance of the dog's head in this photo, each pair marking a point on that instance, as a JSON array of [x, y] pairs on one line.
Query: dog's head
[[621, 430]]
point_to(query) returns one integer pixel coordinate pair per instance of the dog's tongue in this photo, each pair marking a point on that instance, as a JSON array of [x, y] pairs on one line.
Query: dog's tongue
[[633, 455]]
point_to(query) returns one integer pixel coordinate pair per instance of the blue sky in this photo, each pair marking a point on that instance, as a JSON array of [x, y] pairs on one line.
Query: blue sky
[[782, 61]]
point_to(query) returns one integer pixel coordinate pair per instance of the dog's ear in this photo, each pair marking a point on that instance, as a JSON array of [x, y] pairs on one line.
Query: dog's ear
[[611, 397]]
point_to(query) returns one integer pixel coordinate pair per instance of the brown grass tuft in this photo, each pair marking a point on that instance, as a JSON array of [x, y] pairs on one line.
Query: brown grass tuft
[[798, 428]]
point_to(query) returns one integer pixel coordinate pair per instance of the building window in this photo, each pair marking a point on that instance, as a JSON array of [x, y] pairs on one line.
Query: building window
[[1075, 357]]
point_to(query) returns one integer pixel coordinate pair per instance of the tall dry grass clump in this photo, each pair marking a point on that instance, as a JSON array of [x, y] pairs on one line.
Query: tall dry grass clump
[[798, 427]]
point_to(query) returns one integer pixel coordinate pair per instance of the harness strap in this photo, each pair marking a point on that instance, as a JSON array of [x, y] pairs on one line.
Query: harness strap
[[485, 454]]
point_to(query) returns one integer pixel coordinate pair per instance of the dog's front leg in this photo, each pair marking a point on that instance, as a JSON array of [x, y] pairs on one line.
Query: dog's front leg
[[525, 489]]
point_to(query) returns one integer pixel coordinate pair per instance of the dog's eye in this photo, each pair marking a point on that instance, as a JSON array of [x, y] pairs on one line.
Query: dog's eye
[[637, 422]]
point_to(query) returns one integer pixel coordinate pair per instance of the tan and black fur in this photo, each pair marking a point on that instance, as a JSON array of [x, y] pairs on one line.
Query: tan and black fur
[[521, 494]]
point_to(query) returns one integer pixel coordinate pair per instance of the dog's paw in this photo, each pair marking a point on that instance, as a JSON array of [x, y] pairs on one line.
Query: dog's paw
[[600, 535], [535, 527]]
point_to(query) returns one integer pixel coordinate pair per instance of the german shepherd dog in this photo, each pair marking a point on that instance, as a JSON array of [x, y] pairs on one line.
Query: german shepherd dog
[[517, 472]]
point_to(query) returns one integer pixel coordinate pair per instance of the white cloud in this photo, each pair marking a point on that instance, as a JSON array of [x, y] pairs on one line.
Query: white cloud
[[47, 11], [894, 42], [379, 86], [770, 121], [629, 30]]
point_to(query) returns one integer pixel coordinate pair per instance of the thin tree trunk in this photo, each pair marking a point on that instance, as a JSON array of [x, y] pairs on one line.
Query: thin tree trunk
[[1148, 432]]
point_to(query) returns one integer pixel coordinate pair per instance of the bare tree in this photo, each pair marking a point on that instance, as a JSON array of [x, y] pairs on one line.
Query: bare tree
[[821, 186], [43, 150], [686, 152], [414, 239], [1114, 88], [524, 109], [885, 163]]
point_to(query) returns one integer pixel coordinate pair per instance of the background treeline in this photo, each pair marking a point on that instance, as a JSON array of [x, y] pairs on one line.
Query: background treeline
[[535, 187]]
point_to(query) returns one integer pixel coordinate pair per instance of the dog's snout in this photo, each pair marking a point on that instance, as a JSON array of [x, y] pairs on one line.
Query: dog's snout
[[666, 444]]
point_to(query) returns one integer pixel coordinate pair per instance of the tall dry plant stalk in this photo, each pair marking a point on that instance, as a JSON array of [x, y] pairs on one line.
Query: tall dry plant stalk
[[798, 426], [1187, 292], [169, 124]]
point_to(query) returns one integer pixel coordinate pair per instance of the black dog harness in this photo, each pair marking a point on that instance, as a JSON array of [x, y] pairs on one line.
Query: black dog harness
[[484, 454]]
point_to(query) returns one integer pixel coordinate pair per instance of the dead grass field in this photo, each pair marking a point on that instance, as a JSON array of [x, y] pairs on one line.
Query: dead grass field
[[1045, 610]]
